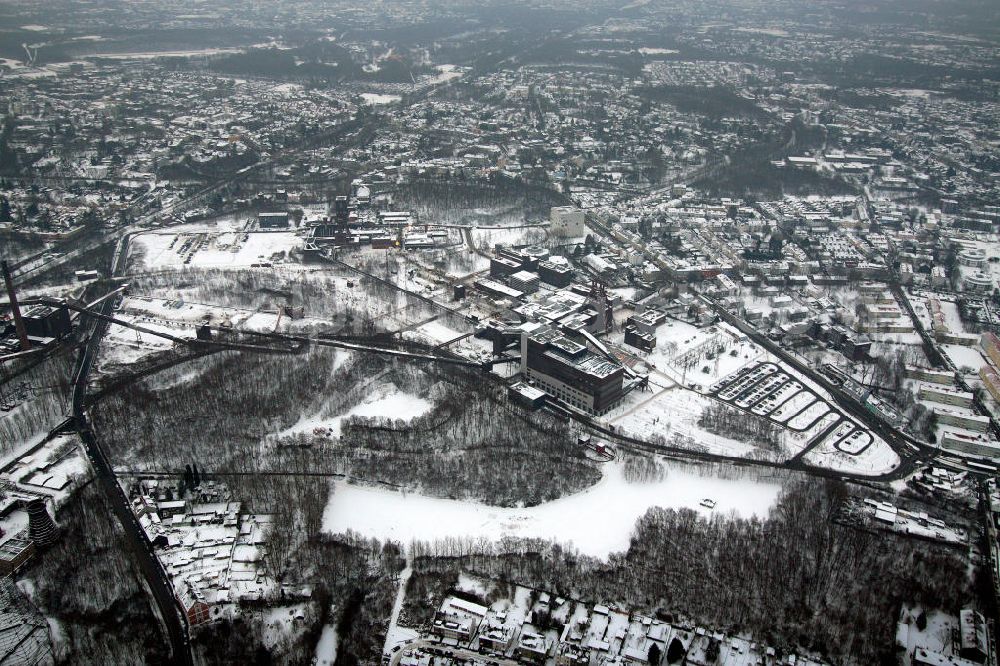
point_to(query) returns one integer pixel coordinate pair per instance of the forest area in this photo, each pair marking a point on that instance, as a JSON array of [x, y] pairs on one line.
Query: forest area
[[470, 443], [742, 426], [501, 202], [89, 583], [749, 173], [40, 398], [715, 102], [797, 580]]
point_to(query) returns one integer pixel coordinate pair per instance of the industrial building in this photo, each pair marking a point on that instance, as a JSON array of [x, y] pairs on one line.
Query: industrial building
[[556, 273], [46, 321], [277, 220], [571, 372], [525, 282]]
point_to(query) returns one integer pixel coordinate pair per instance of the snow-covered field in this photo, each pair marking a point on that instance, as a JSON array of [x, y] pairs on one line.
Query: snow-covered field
[[598, 521], [677, 342], [123, 346], [964, 357], [670, 413], [878, 458], [326, 648], [384, 400], [375, 99], [213, 249]]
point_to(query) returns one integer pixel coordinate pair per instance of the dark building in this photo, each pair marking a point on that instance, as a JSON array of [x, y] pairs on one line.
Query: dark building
[[273, 220], [500, 334], [527, 396], [459, 293], [341, 210], [857, 348], [558, 275], [639, 340], [46, 321], [647, 321], [501, 267], [569, 371]]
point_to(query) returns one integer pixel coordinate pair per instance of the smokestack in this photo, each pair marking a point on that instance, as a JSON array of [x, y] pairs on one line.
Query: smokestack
[[22, 333], [41, 528]]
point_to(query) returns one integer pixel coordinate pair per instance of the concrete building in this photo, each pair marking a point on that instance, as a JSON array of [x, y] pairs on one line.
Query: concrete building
[[991, 380], [930, 375], [991, 345], [526, 395], [273, 220], [531, 647], [968, 442], [525, 281], [960, 419], [974, 636], [945, 395], [978, 283]]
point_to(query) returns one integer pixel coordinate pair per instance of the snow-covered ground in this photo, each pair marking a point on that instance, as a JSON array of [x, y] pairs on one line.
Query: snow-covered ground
[[679, 344], [123, 345], [964, 357], [375, 99], [877, 458], [213, 249], [396, 634], [597, 521], [384, 400], [670, 413], [326, 648], [936, 636]]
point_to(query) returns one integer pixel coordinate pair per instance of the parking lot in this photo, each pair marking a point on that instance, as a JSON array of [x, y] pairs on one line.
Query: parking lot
[[768, 391]]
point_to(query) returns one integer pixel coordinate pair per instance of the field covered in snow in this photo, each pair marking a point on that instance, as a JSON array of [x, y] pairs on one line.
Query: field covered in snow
[[212, 248], [682, 352], [671, 415], [598, 521], [385, 400], [877, 458]]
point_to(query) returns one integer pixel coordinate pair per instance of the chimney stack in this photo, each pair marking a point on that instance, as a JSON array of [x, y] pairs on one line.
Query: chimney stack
[[22, 333], [41, 528]]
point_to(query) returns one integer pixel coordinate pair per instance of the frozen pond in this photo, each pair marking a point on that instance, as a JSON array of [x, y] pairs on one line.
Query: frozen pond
[[597, 521]]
